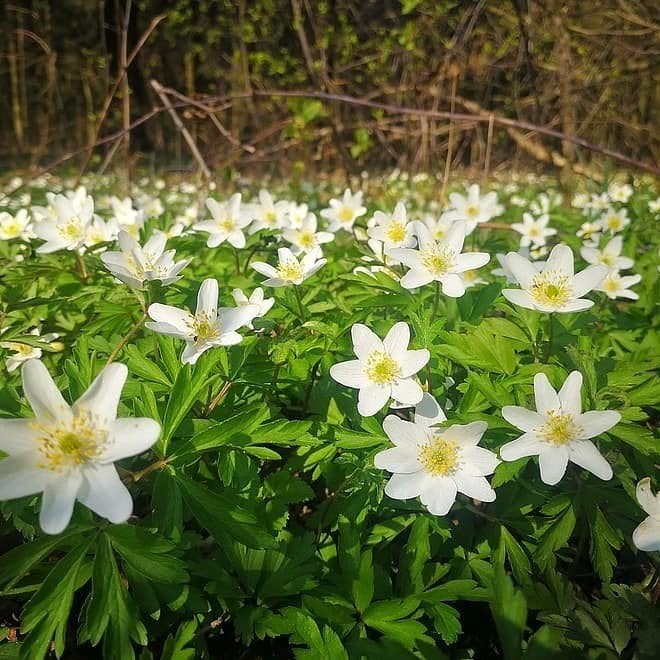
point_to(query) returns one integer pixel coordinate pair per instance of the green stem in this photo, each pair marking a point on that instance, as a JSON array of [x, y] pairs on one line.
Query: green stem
[[551, 332], [436, 301], [237, 262], [301, 308]]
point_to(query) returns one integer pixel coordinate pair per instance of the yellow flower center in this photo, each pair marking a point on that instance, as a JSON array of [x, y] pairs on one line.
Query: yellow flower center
[[551, 288], [290, 270], [472, 211], [269, 217], [11, 229], [559, 429], [440, 457], [611, 285], [68, 446], [396, 232], [346, 214], [534, 231], [306, 239], [72, 229], [381, 368], [227, 225], [607, 259], [613, 222], [204, 328], [438, 259]]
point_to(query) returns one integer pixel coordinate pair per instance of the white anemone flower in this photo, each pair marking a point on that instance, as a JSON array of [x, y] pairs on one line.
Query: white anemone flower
[[257, 300], [439, 261], [590, 233], [16, 226], [22, 353], [614, 220], [295, 215], [647, 534], [68, 452], [609, 256], [473, 208], [435, 464], [135, 265], [558, 431], [533, 231], [620, 192], [437, 226], [267, 213], [129, 219], [343, 212], [68, 230], [556, 288], [208, 327], [306, 238], [227, 224], [616, 286], [395, 231], [100, 231], [383, 369], [289, 269]]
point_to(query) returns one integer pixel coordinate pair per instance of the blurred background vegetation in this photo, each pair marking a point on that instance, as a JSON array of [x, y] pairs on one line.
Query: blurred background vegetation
[[586, 68]]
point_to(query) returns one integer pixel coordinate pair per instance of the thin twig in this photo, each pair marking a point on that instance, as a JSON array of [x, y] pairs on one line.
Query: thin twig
[[127, 337]]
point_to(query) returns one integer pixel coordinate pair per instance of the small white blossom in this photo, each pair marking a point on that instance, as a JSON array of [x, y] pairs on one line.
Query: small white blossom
[[289, 269], [68, 452], [101, 231], [609, 256], [17, 226], [647, 534], [267, 213], [620, 192], [558, 431], [135, 265], [227, 224], [614, 220], [654, 205], [262, 305], [435, 464], [533, 231], [616, 286], [439, 261], [473, 208], [209, 326], [343, 212], [555, 288], [395, 231], [69, 228], [306, 238], [383, 369]]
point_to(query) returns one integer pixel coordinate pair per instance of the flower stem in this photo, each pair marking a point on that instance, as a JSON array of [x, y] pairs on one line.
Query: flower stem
[[161, 463], [551, 332], [218, 397], [436, 301], [301, 308], [237, 262], [82, 267], [127, 337]]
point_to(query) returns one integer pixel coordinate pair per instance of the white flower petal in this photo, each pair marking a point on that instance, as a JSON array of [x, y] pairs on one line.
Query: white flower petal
[[207, 298], [527, 444], [585, 454], [17, 436], [544, 394], [129, 436], [588, 279], [264, 269], [520, 298], [476, 487], [521, 418], [438, 494], [569, 395], [406, 390], [396, 340], [560, 259], [42, 393], [371, 399], [453, 286], [403, 433], [428, 411], [404, 486], [412, 361], [365, 341], [522, 269], [552, 463], [579, 305], [177, 319], [647, 535], [647, 500], [20, 476], [471, 261], [479, 461], [465, 434], [350, 373], [401, 460], [103, 492], [101, 399], [57, 502], [595, 422], [413, 279], [455, 236]]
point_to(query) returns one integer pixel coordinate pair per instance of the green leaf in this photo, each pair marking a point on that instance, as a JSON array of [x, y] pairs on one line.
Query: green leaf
[[46, 615], [175, 646], [555, 537], [362, 587], [604, 539], [147, 554], [141, 366], [509, 610], [223, 515]]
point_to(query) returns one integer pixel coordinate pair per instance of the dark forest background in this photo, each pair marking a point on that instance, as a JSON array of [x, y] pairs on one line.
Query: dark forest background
[[586, 68]]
